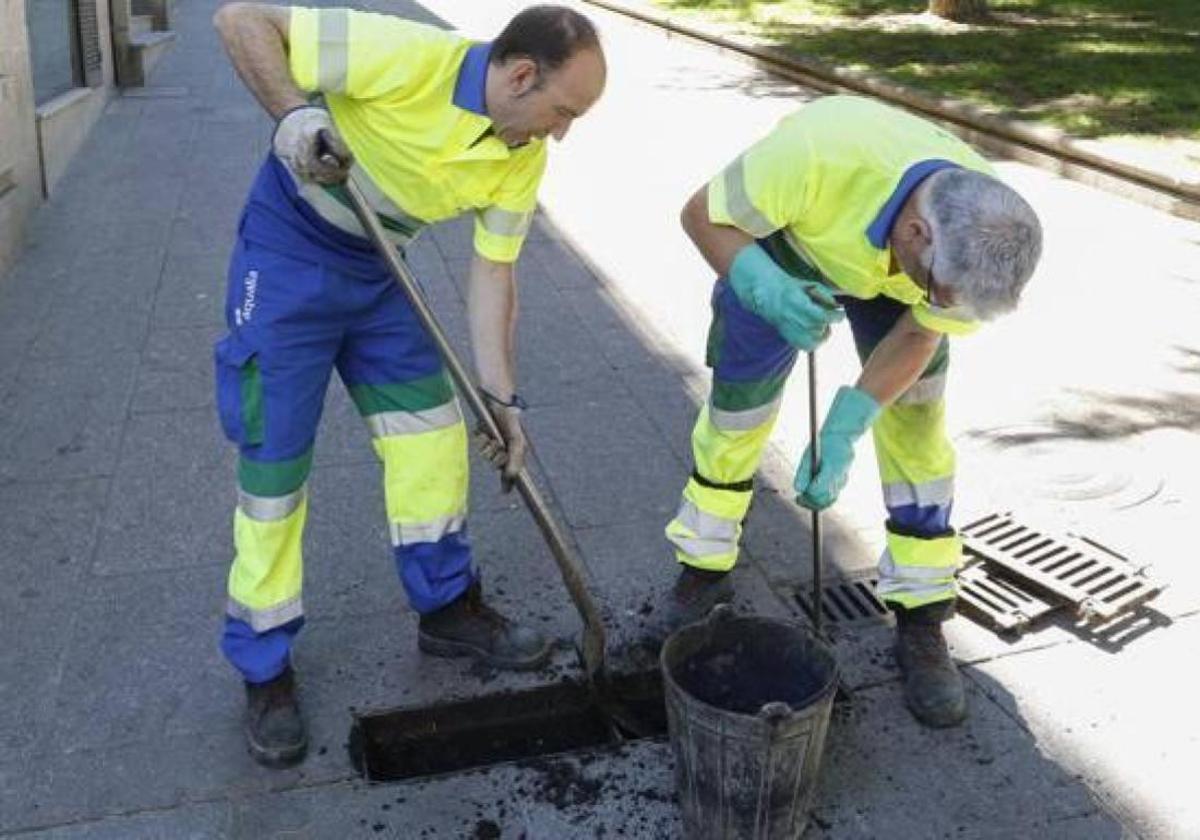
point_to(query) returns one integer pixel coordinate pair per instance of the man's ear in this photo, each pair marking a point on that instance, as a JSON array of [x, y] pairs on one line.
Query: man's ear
[[916, 233], [522, 75], [924, 230]]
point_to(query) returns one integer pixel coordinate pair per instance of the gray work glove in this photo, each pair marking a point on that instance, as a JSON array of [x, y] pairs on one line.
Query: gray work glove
[[507, 455], [307, 141]]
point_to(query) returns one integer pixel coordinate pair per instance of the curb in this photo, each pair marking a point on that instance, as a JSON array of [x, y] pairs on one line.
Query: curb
[[1045, 148]]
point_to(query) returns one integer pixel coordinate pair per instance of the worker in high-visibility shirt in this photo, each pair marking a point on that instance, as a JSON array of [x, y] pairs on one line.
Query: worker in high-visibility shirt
[[850, 209], [430, 125]]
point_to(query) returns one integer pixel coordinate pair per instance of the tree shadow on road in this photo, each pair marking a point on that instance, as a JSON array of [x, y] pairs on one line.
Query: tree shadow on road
[[1105, 417]]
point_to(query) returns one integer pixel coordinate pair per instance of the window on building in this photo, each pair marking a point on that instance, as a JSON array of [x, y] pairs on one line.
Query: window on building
[[64, 45]]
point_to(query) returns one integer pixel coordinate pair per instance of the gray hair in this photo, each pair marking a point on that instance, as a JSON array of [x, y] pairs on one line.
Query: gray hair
[[986, 239]]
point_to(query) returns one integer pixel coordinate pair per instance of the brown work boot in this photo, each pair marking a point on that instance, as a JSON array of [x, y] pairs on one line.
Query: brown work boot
[[469, 627], [274, 729], [692, 597], [933, 688]]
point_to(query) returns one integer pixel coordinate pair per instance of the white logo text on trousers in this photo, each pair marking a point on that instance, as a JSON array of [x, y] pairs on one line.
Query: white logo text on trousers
[[249, 298]]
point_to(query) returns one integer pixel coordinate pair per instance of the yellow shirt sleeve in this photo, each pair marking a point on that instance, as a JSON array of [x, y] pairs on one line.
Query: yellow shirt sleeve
[[944, 321], [500, 228], [360, 55], [766, 187]]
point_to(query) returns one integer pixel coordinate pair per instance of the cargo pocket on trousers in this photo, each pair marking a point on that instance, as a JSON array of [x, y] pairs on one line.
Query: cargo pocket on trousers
[[239, 392]]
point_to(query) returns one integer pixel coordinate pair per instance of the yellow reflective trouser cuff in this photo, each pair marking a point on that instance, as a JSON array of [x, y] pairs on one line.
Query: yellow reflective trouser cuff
[[915, 571], [425, 479], [706, 530], [264, 581]]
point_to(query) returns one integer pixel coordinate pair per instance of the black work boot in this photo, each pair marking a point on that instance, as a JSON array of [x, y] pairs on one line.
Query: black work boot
[[692, 597], [469, 627], [274, 729], [933, 688]]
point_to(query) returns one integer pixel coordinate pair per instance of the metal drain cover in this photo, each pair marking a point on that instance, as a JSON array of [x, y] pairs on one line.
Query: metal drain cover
[[998, 603], [1096, 581], [851, 600]]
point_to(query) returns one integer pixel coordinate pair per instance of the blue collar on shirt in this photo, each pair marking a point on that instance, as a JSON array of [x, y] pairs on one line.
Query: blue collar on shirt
[[881, 227], [472, 79]]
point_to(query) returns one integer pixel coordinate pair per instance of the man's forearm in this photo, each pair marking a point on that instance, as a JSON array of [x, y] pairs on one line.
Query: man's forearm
[[898, 360], [255, 36], [492, 315], [718, 244]]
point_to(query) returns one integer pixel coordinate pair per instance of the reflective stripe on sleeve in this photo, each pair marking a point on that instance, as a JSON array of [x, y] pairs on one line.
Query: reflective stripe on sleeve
[[501, 222], [333, 34], [741, 209]]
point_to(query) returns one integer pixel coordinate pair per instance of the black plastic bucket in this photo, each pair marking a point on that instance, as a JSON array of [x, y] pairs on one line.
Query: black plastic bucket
[[748, 702]]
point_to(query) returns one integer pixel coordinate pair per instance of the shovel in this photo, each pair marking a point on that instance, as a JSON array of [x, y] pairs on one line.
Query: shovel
[[593, 650]]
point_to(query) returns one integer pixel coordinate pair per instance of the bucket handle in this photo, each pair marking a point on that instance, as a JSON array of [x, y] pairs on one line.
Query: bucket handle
[[775, 712], [717, 616], [720, 613]]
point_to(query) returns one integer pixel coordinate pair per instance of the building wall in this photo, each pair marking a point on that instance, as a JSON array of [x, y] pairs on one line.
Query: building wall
[[39, 139], [20, 165]]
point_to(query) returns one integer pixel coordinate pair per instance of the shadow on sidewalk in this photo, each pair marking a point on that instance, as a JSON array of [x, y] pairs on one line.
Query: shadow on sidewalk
[[886, 775]]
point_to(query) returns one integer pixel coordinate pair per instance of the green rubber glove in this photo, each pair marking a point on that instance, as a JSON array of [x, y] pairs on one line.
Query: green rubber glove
[[852, 413], [801, 310]]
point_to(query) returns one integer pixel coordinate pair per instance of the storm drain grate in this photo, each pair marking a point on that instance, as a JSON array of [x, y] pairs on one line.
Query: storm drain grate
[[848, 601], [998, 603], [1097, 582]]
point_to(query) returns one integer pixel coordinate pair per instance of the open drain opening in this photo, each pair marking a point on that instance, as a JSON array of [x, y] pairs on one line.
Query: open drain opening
[[398, 744]]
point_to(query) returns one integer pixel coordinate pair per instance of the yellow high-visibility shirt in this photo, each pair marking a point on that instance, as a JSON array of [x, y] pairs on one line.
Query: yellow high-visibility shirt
[[832, 177], [408, 100]]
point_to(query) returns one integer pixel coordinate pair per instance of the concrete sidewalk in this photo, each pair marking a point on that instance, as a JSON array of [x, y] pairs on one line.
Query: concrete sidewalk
[[118, 717]]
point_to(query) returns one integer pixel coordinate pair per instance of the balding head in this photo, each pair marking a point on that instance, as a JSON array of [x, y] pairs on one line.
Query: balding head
[[546, 70]]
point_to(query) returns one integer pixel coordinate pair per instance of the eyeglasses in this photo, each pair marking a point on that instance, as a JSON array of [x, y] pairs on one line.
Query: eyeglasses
[[933, 297]]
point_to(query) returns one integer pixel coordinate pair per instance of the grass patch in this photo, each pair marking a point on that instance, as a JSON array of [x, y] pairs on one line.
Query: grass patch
[[1092, 67]]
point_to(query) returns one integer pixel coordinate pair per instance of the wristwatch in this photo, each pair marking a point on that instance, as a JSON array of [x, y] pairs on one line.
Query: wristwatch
[[515, 402]]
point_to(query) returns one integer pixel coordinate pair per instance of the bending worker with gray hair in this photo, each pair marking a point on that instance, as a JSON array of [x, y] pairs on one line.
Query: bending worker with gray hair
[[850, 209]]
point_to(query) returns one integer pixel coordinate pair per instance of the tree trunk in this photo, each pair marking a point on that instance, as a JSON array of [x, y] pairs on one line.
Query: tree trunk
[[959, 10]]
